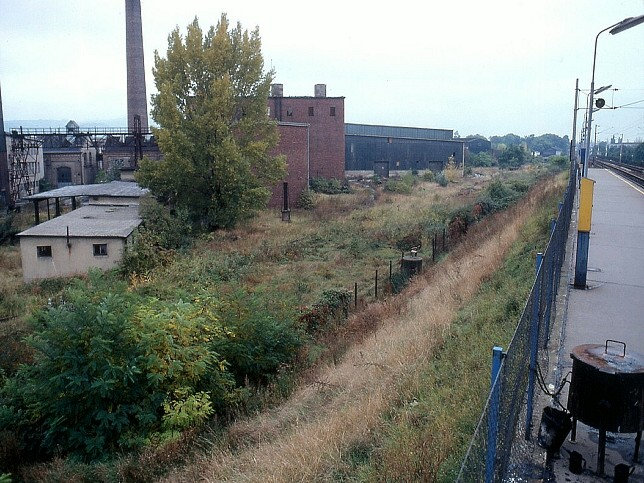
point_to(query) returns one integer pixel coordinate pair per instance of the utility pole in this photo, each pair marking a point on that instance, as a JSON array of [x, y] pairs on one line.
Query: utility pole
[[573, 147], [595, 150]]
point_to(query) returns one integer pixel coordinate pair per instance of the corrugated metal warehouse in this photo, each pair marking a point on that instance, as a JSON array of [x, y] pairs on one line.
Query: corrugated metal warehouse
[[402, 148]]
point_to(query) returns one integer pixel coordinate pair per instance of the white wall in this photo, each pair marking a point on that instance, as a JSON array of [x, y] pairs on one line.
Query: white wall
[[65, 261]]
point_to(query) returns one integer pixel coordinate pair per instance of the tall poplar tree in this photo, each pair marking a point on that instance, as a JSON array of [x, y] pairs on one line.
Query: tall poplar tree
[[214, 130]]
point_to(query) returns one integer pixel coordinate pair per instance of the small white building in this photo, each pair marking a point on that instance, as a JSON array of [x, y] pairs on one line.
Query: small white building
[[93, 236]]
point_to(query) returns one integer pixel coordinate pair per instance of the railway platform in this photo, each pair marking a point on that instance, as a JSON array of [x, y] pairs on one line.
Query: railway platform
[[611, 307]]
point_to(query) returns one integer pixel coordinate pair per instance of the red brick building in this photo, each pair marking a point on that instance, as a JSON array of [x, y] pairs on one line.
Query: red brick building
[[294, 144], [325, 117]]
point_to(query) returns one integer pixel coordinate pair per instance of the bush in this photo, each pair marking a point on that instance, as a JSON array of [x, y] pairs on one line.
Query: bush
[[305, 201], [483, 159], [260, 335], [7, 230], [105, 366], [513, 157], [441, 179], [329, 186], [429, 175], [402, 185], [560, 162], [333, 306], [161, 232]]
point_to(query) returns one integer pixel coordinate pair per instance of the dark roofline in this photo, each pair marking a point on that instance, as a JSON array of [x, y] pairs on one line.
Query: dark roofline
[[381, 136], [404, 127]]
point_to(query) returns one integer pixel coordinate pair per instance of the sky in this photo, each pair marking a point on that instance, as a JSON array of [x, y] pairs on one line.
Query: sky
[[488, 67]]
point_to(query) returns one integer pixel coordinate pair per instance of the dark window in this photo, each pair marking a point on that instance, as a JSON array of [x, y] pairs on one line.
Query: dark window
[[289, 112], [311, 111], [44, 251], [100, 249], [332, 111]]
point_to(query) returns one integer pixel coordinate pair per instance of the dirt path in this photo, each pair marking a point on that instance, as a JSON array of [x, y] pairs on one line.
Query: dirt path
[[304, 438]]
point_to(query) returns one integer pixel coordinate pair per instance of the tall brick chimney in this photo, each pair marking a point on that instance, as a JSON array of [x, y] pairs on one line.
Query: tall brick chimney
[[137, 104], [5, 195]]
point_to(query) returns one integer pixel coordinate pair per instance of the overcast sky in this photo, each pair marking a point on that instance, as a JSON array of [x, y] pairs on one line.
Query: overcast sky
[[488, 67]]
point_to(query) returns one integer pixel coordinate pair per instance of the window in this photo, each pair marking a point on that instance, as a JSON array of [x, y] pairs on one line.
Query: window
[[100, 249], [311, 111], [43, 251], [332, 111]]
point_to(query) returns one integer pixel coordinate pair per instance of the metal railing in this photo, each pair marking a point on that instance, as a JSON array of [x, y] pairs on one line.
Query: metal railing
[[509, 407]]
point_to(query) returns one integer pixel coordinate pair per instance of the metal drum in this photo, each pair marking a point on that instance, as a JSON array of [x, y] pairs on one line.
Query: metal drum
[[607, 391]]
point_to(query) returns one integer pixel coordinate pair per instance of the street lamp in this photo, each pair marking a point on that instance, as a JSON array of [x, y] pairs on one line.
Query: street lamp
[[616, 28]]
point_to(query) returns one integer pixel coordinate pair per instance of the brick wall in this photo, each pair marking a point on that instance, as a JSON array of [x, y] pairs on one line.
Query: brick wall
[[325, 115], [293, 144]]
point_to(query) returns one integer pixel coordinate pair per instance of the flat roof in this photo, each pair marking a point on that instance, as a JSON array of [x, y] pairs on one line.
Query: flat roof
[[90, 221], [118, 189]]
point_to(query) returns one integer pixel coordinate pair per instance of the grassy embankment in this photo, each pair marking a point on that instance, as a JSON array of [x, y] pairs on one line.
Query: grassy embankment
[[401, 405]]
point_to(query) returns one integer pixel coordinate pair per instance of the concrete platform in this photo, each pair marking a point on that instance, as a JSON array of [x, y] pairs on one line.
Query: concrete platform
[[612, 307]]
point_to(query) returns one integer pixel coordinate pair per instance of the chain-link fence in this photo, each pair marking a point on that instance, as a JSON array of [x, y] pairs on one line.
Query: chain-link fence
[[509, 407]]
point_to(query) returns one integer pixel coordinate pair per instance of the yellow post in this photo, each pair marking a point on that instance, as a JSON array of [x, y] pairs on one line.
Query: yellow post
[[583, 231], [585, 204]]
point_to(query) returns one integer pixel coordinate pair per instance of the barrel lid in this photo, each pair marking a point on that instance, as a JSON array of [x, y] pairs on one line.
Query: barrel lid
[[609, 360]]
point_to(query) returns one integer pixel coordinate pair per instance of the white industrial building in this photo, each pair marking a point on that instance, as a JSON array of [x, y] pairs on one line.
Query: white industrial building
[[92, 236]]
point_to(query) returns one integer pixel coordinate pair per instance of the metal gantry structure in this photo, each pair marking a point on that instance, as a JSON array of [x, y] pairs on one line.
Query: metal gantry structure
[[25, 143]]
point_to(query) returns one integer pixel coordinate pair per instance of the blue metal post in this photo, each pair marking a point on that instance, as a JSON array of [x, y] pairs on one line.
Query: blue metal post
[[550, 274], [493, 418], [534, 345]]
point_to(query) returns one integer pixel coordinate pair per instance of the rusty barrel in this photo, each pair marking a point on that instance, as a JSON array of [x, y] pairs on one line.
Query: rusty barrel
[[607, 387]]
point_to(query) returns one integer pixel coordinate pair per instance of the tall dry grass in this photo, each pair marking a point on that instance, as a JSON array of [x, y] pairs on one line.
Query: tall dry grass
[[305, 438]]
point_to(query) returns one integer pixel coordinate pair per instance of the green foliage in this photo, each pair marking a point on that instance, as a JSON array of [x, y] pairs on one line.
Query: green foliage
[[481, 160], [499, 195], [7, 228], [44, 185], [214, 131], [329, 186], [161, 232], [441, 179], [428, 175], [559, 162], [305, 201], [260, 335], [333, 306], [513, 157], [112, 174], [104, 366], [403, 185], [638, 154]]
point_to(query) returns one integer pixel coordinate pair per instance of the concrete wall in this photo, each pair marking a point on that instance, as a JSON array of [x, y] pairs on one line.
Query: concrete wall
[[326, 131], [77, 259], [293, 144]]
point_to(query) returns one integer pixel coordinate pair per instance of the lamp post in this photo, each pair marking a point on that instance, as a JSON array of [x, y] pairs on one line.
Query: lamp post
[[616, 28]]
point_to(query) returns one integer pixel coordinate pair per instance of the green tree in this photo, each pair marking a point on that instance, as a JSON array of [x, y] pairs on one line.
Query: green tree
[[513, 157], [638, 154], [213, 128]]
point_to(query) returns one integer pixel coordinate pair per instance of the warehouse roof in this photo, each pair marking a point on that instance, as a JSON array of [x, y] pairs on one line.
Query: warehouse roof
[[101, 221], [117, 189]]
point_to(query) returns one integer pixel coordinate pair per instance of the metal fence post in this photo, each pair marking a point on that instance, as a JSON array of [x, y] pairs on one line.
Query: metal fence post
[[493, 419], [534, 343]]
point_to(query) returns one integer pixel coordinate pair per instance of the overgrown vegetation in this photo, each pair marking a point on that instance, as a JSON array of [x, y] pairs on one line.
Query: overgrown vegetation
[[446, 401], [329, 186], [194, 338]]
